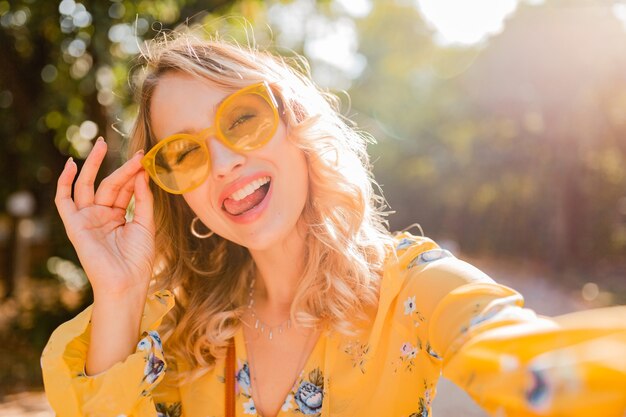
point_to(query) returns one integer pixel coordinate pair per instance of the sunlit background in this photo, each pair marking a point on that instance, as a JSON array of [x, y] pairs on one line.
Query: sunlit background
[[500, 128]]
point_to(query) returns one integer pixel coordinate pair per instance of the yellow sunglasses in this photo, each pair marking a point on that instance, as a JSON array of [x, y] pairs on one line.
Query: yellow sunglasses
[[245, 120]]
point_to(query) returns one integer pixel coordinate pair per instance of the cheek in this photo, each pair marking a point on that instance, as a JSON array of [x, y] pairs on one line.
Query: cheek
[[292, 163], [199, 202], [191, 200], [295, 155], [304, 170], [299, 174]]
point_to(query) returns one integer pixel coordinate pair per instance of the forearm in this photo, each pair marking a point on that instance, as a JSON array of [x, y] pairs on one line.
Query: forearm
[[115, 324]]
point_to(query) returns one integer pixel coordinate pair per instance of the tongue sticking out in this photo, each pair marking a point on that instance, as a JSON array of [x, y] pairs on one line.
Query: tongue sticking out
[[236, 208]]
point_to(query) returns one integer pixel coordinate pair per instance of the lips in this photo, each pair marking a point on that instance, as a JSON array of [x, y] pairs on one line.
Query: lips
[[247, 198], [238, 185], [254, 210]]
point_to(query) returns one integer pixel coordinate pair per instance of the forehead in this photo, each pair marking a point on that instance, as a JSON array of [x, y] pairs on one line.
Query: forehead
[[181, 102]]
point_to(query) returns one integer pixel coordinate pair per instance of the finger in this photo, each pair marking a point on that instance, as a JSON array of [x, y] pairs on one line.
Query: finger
[[83, 190], [111, 186], [63, 198], [124, 195], [144, 204]]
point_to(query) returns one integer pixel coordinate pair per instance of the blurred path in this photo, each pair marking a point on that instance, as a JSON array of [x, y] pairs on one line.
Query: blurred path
[[25, 404], [541, 294]]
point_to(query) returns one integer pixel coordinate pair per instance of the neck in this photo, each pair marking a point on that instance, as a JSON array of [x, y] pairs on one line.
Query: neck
[[278, 271]]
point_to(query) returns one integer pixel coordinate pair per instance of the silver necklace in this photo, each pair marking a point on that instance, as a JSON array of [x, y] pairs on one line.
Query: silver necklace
[[251, 361], [259, 324]]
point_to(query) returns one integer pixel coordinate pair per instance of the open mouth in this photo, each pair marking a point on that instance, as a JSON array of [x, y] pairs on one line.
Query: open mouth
[[247, 198]]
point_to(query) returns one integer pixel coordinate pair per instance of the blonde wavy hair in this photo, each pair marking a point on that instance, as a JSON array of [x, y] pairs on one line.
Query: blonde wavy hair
[[347, 239]]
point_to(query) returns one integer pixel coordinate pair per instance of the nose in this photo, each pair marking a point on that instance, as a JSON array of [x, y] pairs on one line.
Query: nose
[[224, 161]]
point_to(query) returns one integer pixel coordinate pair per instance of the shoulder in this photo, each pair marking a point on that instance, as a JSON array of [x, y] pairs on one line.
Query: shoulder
[[419, 258], [430, 282], [421, 268]]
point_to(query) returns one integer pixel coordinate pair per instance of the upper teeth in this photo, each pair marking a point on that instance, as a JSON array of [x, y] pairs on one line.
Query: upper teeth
[[249, 189]]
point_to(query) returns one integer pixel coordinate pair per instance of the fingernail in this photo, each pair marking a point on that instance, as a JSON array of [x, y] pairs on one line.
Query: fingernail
[[139, 152], [69, 161], [100, 139]]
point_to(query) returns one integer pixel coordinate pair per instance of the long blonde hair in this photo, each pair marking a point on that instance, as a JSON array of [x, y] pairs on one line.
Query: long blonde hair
[[346, 241]]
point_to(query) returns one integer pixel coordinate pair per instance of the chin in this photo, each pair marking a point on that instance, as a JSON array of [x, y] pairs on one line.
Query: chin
[[264, 241], [271, 236]]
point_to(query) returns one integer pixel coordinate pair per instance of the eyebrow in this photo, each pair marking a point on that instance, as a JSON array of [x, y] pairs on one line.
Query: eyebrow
[[184, 131]]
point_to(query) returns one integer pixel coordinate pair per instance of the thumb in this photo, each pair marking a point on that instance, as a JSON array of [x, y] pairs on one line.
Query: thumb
[[144, 201]]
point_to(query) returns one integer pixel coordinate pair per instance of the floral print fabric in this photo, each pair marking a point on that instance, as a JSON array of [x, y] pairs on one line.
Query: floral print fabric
[[436, 315], [153, 355]]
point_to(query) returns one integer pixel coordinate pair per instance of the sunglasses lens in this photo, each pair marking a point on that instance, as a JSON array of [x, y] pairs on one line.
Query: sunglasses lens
[[247, 121], [181, 164]]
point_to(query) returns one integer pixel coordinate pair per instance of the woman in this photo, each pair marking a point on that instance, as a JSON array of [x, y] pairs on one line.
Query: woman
[[260, 227]]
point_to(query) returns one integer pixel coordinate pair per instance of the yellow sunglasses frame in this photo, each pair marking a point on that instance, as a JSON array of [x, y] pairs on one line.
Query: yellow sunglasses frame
[[262, 89]]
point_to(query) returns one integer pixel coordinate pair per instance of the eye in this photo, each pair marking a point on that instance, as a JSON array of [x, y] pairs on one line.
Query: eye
[[241, 120], [180, 157]]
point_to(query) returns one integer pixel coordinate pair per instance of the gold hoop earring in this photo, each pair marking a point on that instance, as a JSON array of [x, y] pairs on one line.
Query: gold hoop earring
[[195, 232]]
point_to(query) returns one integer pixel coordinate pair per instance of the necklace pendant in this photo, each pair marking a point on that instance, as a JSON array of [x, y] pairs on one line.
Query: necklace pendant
[[259, 325]]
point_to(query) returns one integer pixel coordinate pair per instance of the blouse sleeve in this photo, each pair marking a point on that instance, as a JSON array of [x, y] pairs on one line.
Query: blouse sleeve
[[512, 361], [125, 389]]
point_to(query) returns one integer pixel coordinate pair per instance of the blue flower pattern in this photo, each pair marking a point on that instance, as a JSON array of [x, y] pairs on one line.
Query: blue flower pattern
[[309, 398], [310, 393], [429, 256], [404, 244], [539, 394], [249, 407], [154, 368], [152, 347], [243, 379]]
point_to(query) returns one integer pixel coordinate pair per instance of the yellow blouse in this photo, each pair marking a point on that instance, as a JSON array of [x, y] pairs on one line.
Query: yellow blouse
[[436, 314]]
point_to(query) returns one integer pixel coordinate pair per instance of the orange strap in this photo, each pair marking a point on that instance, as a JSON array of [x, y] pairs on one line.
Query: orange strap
[[230, 380]]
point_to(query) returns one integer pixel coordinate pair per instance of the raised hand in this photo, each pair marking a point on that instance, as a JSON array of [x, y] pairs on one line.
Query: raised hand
[[117, 255]]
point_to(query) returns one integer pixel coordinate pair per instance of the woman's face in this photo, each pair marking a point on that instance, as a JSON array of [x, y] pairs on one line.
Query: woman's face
[[267, 216]]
